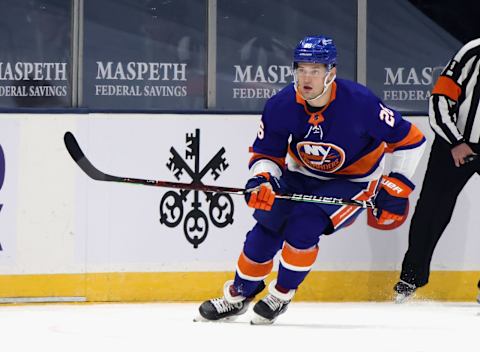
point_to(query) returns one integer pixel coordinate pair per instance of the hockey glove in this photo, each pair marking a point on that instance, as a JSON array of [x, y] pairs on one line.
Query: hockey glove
[[260, 191], [391, 201]]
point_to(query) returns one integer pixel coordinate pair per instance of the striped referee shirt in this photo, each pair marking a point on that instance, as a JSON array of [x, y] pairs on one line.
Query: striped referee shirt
[[454, 110]]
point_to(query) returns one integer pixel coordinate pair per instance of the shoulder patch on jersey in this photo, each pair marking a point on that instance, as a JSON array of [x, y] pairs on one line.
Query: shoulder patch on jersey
[[323, 157]]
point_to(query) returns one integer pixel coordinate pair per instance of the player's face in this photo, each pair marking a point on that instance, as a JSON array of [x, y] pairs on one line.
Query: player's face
[[311, 78]]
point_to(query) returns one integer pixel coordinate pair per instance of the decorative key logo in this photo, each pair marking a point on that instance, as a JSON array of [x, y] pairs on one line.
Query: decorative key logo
[[220, 209]]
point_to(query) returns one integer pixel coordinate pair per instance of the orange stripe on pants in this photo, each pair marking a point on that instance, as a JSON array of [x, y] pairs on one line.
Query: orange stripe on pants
[[347, 211], [251, 270], [298, 259]]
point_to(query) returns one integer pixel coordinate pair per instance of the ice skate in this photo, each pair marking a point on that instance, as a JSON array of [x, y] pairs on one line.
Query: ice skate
[[404, 291], [226, 308], [219, 309], [271, 306]]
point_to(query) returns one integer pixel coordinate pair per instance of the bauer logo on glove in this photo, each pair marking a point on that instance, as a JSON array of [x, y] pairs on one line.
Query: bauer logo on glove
[[391, 201]]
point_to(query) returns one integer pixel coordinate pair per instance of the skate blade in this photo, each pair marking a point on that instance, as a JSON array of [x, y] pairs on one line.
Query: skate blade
[[259, 320], [400, 298], [200, 319]]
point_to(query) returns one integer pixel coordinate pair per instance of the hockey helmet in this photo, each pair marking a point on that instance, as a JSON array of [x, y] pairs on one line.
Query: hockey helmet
[[316, 49]]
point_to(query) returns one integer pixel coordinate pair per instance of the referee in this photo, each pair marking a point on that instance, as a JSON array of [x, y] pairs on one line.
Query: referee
[[454, 114]]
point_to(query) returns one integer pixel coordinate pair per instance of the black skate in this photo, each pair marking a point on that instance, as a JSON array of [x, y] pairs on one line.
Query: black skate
[[226, 308], [221, 309], [404, 291], [271, 306]]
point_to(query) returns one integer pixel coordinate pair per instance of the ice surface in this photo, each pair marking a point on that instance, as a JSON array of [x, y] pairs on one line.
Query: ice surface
[[352, 327]]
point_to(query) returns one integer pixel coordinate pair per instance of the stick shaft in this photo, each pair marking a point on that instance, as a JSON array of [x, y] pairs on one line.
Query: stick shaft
[[81, 160]]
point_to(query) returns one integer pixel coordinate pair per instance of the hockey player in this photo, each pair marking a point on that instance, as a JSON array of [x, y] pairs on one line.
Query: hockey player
[[322, 136]]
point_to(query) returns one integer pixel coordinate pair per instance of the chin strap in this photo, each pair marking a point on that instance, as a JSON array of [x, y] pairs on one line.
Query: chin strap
[[325, 87]]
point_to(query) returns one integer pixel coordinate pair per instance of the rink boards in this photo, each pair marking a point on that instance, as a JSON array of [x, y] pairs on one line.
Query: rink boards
[[64, 234]]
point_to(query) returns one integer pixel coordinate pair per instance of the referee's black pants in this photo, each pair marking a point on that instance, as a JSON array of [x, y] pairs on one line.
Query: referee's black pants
[[441, 186]]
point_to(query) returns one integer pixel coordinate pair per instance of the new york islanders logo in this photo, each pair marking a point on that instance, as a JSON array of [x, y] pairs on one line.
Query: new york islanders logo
[[323, 157]]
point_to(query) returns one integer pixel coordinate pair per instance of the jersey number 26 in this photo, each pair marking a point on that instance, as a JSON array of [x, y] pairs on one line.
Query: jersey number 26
[[386, 115]]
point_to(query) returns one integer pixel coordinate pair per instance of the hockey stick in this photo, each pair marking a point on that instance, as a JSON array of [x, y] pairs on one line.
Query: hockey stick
[[79, 157]]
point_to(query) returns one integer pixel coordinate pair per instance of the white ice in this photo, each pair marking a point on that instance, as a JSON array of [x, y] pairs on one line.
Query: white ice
[[165, 327]]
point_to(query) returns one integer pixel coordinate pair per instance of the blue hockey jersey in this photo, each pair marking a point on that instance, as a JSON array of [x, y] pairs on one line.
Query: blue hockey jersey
[[347, 138]]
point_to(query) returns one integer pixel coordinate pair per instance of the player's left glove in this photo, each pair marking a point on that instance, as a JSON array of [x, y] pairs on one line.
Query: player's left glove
[[391, 202], [260, 191]]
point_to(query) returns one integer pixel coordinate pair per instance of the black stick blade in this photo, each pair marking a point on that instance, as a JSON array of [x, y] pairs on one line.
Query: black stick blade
[[81, 160]]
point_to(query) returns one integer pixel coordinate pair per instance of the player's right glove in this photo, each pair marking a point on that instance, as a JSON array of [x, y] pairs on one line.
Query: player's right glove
[[260, 191], [391, 201]]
